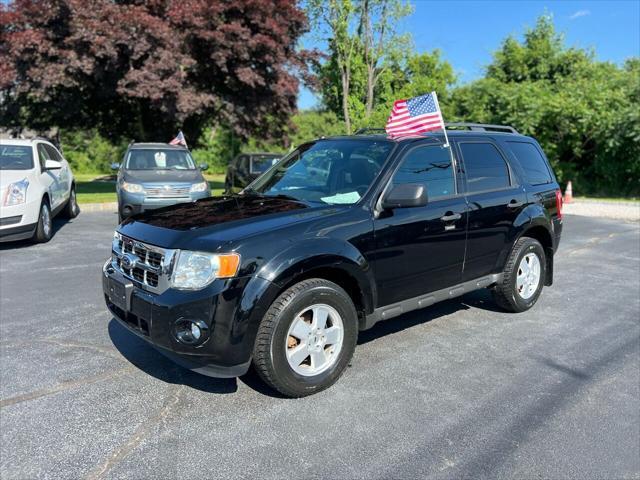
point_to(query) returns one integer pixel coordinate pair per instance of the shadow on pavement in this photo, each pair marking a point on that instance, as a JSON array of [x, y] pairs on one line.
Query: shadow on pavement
[[146, 358]]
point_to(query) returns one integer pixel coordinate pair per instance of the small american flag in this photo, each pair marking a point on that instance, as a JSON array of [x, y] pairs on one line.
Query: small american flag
[[416, 115], [179, 140]]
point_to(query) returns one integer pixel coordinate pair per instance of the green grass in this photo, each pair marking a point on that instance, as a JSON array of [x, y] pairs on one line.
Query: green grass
[[101, 188]]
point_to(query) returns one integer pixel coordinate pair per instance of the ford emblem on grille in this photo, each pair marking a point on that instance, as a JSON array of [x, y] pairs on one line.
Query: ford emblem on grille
[[129, 261]]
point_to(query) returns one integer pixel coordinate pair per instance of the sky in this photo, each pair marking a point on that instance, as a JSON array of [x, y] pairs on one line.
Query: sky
[[468, 32]]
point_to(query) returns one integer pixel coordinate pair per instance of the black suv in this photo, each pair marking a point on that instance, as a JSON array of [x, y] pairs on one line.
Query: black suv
[[340, 234]]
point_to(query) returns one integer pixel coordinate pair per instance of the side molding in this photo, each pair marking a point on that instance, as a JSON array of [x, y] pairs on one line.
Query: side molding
[[405, 306]]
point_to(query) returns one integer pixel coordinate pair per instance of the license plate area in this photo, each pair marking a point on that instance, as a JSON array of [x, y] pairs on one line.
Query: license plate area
[[118, 294]]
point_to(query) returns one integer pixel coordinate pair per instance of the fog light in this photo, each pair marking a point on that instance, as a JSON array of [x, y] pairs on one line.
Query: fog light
[[190, 332], [195, 331]]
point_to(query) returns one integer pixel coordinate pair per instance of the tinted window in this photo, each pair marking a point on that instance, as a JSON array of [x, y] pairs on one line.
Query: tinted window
[[533, 164], [159, 159], [43, 155], [16, 157], [484, 166], [327, 171], [262, 163], [53, 153], [431, 166]]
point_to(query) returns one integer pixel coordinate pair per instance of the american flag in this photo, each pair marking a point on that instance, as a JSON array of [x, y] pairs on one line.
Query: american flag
[[416, 115], [179, 140]]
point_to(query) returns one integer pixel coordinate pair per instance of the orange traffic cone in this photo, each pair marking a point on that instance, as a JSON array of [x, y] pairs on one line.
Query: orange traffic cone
[[568, 193]]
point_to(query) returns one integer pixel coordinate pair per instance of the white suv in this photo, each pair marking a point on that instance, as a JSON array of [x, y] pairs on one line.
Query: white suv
[[36, 184]]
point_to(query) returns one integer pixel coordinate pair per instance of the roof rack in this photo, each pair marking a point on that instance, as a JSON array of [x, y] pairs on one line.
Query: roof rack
[[482, 127], [366, 130]]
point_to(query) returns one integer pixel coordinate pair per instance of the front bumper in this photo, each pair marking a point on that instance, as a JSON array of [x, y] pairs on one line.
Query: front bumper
[[133, 203], [227, 307], [18, 222]]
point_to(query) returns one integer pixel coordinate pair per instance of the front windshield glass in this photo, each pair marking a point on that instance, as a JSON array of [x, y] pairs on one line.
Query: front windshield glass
[[16, 157], [327, 171], [159, 159]]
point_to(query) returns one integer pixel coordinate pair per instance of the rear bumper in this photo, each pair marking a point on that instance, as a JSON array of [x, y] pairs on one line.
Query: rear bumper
[[227, 308]]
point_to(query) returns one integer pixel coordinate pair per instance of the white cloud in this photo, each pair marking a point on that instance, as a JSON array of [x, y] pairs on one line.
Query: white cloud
[[580, 13]]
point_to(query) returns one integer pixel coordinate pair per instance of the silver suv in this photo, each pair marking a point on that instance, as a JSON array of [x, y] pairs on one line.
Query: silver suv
[[154, 175]]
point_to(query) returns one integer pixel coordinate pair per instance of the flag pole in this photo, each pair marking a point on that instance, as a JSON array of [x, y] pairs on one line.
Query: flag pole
[[444, 128]]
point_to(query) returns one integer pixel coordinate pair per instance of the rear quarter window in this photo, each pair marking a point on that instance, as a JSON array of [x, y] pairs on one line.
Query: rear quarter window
[[534, 165]]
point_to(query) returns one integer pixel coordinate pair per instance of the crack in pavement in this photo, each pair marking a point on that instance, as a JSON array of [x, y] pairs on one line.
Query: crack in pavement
[[141, 432], [62, 386]]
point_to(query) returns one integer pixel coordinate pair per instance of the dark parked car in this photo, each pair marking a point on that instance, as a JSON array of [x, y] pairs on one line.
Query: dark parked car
[[245, 168], [285, 275], [154, 175]]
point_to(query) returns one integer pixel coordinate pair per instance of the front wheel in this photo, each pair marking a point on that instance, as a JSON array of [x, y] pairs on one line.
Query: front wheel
[[44, 229], [523, 276], [307, 338]]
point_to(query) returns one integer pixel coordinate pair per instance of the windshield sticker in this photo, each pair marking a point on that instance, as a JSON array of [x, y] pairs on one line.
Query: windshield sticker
[[346, 198], [161, 159]]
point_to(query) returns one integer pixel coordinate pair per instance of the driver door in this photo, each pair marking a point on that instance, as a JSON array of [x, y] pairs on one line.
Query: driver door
[[421, 249], [49, 178]]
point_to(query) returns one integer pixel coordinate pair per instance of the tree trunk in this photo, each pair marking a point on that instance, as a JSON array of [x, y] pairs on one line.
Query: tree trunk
[[371, 80], [345, 98]]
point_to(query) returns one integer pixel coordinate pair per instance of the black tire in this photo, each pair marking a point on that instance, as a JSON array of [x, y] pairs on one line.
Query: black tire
[[269, 355], [506, 293], [71, 209], [44, 229]]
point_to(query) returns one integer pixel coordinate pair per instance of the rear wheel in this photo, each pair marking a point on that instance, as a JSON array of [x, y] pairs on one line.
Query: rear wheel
[[307, 338], [71, 209], [523, 276], [44, 229]]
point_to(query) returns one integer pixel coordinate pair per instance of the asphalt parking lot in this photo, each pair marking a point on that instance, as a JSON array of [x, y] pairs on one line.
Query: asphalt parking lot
[[459, 390]]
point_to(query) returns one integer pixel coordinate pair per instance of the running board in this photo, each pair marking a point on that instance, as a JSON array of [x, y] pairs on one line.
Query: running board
[[405, 306]]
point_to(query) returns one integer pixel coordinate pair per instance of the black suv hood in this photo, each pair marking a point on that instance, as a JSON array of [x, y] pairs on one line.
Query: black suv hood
[[162, 176], [207, 223]]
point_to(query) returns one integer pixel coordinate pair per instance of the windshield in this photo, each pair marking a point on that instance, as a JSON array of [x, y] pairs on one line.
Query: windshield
[[261, 163], [327, 171], [159, 159], [16, 157]]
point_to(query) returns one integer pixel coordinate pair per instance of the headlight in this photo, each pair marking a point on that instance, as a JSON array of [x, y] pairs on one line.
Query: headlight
[[132, 187], [196, 270], [199, 187], [16, 193]]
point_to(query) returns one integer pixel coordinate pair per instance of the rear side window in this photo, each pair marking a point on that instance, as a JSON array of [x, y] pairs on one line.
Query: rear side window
[[431, 166], [533, 164], [484, 167]]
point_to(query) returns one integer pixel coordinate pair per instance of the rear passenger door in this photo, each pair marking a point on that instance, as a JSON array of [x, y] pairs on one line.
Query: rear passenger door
[[495, 199]]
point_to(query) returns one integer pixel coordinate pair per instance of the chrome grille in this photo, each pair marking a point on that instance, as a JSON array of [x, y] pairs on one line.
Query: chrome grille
[[147, 264], [167, 191]]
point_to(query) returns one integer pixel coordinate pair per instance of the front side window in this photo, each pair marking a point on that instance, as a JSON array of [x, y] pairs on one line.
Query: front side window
[[431, 166], [484, 167], [534, 166], [43, 156], [326, 171], [159, 159], [16, 157], [53, 153]]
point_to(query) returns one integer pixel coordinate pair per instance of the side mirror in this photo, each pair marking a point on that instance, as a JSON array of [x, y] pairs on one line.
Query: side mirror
[[115, 166], [406, 195], [203, 167], [52, 165]]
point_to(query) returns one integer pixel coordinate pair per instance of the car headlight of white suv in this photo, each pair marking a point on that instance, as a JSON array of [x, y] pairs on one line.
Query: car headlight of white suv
[[16, 193]]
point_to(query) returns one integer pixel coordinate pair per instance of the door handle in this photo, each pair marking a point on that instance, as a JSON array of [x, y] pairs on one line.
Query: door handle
[[451, 218], [514, 204]]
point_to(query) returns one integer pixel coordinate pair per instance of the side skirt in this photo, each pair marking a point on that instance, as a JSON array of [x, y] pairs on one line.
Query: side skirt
[[405, 306]]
